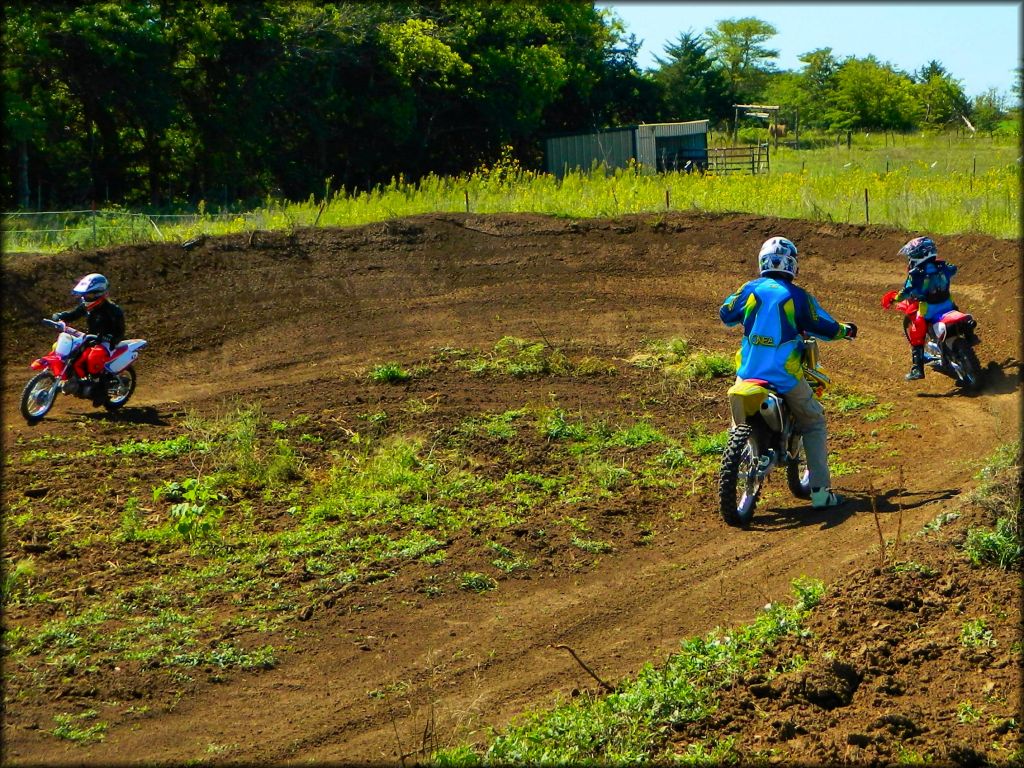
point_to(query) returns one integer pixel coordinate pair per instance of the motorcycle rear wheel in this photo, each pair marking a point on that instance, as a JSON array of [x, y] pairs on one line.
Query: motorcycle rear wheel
[[798, 477], [120, 389], [969, 373], [38, 396], [738, 484]]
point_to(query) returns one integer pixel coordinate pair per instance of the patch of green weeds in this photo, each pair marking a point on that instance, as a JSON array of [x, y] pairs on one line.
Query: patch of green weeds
[[633, 723], [910, 566], [879, 412], [399, 688], [675, 358], [712, 752], [977, 634], [673, 457], [658, 353], [16, 581], [500, 426], [839, 468], [636, 436], [967, 712], [941, 519], [389, 373], [198, 508], [226, 655], [847, 401], [161, 449], [608, 476], [706, 444], [998, 494], [73, 728], [472, 581], [517, 357], [908, 756], [593, 546], [554, 425]]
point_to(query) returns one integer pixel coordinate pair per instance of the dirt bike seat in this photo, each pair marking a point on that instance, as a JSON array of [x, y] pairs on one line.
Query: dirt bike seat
[[750, 393], [953, 316]]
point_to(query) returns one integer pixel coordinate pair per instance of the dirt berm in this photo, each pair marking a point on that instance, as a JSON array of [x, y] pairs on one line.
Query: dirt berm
[[293, 322]]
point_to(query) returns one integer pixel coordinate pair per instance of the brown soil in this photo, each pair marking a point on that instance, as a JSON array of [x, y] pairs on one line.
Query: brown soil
[[293, 321]]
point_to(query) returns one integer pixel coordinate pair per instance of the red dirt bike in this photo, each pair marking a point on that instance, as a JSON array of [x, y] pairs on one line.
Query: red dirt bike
[[764, 438], [949, 345], [57, 374]]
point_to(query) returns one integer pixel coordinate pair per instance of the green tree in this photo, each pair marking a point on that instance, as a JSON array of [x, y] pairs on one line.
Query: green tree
[[988, 110], [693, 87], [870, 94], [942, 98], [738, 46]]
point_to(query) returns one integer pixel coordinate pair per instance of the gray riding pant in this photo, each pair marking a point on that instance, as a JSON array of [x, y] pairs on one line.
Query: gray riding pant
[[809, 420]]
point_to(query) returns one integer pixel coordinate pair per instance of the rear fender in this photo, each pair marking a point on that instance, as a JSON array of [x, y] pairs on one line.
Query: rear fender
[[746, 397], [124, 354]]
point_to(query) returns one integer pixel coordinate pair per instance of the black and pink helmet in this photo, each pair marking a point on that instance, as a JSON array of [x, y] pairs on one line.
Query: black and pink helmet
[[918, 251]]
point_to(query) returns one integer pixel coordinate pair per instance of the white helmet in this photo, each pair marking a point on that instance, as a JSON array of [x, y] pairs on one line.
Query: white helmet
[[778, 255], [92, 289]]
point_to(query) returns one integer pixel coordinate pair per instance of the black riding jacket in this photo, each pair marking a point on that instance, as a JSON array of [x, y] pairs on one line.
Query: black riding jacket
[[105, 321]]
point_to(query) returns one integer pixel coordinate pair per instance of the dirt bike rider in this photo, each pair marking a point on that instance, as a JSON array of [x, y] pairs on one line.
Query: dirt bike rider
[[774, 312], [105, 326], [927, 283]]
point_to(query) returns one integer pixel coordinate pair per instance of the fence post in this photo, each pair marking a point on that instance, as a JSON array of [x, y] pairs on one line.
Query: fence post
[[466, 193], [666, 200], [867, 214], [93, 223]]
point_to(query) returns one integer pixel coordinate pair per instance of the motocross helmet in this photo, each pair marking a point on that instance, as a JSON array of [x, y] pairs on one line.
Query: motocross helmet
[[918, 251], [778, 255], [92, 289]]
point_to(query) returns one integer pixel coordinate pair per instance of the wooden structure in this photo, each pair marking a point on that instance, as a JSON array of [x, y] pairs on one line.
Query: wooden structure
[[769, 112]]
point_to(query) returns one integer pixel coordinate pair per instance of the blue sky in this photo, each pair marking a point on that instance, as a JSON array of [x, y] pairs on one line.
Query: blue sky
[[978, 43]]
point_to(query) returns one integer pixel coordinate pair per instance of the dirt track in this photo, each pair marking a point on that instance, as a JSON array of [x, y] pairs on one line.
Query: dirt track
[[292, 321]]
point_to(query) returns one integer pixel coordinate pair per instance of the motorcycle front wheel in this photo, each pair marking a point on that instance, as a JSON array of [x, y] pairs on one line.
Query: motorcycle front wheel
[[38, 396], [738, 483], [120, 389], [968, 368], [798, 477]]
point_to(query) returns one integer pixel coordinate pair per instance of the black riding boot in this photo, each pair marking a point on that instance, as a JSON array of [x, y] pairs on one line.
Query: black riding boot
[[916, 364]]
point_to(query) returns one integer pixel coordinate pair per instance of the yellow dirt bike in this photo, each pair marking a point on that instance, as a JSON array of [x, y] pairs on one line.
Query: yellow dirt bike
[[764, 438]]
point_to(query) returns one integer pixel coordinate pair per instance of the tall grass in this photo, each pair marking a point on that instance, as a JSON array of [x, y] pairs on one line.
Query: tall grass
[[927, 184]]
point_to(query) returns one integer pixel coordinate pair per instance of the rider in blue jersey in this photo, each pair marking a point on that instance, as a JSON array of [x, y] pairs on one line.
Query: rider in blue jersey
[[775, 312], [927, 283]]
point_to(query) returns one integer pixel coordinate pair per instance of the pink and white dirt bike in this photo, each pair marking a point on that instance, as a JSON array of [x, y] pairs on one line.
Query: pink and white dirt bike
[[57, 374], [949, 344]]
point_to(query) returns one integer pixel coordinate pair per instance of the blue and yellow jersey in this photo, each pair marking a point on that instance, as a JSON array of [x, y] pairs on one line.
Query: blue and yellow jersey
[[928, 284], [774, 313]]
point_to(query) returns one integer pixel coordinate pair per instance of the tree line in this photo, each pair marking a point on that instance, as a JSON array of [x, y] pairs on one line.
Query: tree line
[[162, 103]]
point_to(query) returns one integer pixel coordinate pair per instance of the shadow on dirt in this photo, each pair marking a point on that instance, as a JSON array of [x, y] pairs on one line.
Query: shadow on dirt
[[800, 515], [144, 415], [997, 379]]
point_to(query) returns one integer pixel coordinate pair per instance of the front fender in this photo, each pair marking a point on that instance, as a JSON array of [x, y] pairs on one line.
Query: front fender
[[53, 361]]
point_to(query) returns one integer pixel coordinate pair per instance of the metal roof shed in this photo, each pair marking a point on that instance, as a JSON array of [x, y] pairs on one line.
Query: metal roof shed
[[656, 146]]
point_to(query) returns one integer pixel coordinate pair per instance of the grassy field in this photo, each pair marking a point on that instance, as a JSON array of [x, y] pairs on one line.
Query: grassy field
[[942, 184]]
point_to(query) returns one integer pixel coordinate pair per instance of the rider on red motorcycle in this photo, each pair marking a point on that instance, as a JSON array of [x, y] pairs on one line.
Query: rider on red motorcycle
[[927, 283], [105, 323]]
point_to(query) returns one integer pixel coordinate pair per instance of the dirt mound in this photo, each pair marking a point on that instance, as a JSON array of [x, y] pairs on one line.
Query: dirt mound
[[402, 659]]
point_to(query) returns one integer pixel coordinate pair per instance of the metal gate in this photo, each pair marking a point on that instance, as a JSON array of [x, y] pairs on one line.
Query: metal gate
[[753, 158]]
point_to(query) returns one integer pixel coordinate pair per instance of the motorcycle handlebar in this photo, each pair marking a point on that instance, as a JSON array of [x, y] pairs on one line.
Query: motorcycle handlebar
[[60, 325]]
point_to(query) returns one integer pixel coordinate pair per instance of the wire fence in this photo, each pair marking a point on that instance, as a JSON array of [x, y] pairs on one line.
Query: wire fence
[[51, 231]]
